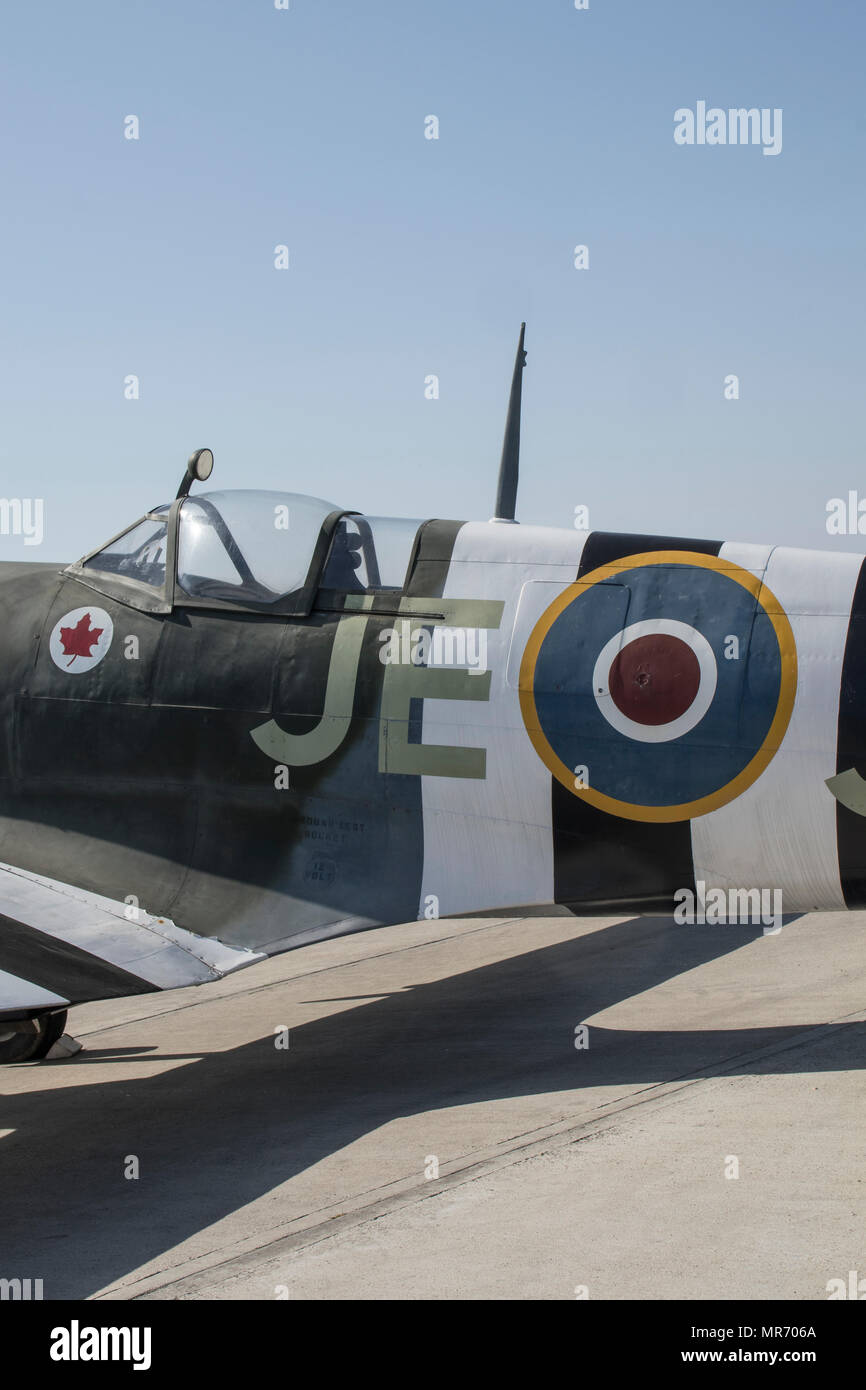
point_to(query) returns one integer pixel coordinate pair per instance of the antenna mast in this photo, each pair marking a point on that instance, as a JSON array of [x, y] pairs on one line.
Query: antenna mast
[[509, 467]]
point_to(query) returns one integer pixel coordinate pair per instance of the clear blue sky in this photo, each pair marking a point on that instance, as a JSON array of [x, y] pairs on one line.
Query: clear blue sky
[[411, 256]]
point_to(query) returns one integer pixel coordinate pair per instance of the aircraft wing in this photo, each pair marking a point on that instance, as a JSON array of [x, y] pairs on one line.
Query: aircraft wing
[[60, 945]]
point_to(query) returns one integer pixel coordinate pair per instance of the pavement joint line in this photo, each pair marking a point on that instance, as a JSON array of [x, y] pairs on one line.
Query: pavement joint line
[[195, 1003], [509, 1152]]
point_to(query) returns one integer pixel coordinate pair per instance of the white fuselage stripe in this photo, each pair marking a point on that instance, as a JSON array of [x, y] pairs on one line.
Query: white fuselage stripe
[[781, 831], [490, 842]]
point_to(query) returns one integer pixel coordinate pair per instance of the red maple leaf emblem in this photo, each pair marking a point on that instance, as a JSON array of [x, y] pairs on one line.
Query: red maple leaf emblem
[[78, 640]]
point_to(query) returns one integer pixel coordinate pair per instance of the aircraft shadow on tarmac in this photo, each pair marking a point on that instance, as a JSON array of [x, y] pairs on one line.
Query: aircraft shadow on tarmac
[[218, 1133]]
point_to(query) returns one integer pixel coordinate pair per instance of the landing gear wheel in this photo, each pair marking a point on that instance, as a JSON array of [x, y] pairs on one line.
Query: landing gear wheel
[[31, 1039]]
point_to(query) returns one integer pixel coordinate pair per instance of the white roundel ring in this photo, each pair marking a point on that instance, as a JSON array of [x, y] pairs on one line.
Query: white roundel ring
[[652, 669], [80, 639]]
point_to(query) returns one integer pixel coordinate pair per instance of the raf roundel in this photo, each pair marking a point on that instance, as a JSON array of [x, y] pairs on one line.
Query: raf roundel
[[80, 639], [660, 687], [655, 680]]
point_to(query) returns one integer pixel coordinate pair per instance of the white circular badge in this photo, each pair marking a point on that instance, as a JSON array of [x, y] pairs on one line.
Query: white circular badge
[[80, 640], [700, 701]]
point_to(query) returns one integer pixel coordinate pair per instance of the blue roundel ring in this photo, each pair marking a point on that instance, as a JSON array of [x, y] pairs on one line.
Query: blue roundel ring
[[660, 687]]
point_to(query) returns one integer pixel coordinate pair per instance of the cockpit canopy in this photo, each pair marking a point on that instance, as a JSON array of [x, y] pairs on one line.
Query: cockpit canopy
[[265, 551]]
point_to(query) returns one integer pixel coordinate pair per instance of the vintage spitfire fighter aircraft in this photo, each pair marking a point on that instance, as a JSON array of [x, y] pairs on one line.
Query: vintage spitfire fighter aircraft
[[253, 720]]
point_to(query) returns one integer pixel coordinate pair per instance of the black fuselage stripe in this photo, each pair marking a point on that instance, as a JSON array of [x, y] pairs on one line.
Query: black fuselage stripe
[[431, 560], [851, 749], [604, 863]]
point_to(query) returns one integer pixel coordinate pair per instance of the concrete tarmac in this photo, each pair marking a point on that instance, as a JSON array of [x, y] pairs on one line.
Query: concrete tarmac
[[433, 1131]]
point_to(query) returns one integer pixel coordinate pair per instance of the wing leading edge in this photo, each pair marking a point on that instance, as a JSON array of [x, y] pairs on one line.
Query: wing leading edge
[[60, 945]]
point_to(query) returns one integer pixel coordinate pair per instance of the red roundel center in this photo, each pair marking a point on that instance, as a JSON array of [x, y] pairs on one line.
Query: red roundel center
[[654, 679]]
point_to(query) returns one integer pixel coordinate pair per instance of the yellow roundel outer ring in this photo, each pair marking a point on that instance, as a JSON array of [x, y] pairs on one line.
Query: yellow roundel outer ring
[[776, 732]]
